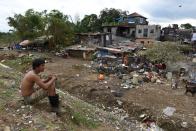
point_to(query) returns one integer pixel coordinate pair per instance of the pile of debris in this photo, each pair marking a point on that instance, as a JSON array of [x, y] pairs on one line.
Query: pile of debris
[[134, 70], [126, 66], [121, 60]]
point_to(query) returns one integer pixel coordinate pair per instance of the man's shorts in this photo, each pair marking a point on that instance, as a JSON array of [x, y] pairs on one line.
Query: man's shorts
[[35, 96]]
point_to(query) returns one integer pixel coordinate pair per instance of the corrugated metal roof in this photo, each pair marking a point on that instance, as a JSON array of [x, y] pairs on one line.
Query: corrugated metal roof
[[135, 14]]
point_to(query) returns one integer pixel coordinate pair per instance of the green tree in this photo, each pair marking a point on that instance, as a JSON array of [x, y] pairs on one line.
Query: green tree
[[110, 15], [7, 38], [28, 26], [34, 24], [186, 26], [60, 28], [90, 23]]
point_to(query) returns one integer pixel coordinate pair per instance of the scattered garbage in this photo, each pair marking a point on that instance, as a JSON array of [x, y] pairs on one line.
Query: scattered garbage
[[168, 111], [119, 102], [158, 81], [7, 128], [117, 93], [194, 60], [62, 53], [148, 124], [101, 77], [174, 83], [132, 75], [145, 117], [184, 124], [150, 127], [135, 79], [22, 107], [77, 75], [117, 128], [169, 75]]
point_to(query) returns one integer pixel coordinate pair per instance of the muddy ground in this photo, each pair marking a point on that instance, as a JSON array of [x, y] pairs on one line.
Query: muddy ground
[[76, 77], [150, 98], [16, 116]]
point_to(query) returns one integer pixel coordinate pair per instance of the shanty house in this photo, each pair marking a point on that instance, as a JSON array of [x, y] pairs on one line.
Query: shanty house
[[94, 39], [134, 27]]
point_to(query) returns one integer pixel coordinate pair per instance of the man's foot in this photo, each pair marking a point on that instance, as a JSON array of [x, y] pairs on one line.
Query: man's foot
[[56, 110], [55, 105]]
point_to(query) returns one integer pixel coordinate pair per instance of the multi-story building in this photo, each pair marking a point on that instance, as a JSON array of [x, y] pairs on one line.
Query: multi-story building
[[135, 27]]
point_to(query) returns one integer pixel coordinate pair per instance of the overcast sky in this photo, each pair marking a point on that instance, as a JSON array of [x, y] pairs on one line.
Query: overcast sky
[[162, 12]]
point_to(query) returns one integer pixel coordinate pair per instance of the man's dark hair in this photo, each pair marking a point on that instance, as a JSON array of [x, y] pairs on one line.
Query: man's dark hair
[[37, 62]]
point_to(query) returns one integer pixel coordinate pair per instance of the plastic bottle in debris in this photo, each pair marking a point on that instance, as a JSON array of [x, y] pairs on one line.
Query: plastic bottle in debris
[[135, 79], [169, 75]]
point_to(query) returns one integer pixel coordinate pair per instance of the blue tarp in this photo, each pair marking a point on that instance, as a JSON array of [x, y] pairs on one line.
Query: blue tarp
[[17, 46]]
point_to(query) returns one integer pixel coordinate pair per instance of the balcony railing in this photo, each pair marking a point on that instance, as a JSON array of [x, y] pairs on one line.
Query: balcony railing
[[116, 24]]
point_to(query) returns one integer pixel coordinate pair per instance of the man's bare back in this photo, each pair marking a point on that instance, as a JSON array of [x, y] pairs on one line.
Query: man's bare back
[[27, 83]]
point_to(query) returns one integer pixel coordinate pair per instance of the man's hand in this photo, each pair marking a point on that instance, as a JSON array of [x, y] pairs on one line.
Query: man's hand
[[49, 76], [54, 77]]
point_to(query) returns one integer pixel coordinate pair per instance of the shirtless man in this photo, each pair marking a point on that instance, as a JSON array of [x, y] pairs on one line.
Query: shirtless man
[[46, 88]]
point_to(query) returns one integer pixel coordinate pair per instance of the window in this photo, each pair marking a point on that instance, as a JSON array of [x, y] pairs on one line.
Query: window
[[139, 31], [141, 20], [128, 31], [109, 29], [152, 31], [145, 33]]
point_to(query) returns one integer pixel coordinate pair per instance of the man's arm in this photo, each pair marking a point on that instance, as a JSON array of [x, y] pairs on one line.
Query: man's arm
[[46, 80], [43, 85]]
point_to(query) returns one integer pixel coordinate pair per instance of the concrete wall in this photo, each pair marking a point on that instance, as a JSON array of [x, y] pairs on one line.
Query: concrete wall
[[153, 31], [112, 29], [131, 30], [105, 29], [145, 41]]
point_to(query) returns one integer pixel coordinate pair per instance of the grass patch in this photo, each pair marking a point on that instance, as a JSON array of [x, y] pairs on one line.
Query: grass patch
[[19, 64], [111, 118], [24, 129], [2, 107], [1, 83], [7, 92], [166, 51], [81, 119], [24, 62], [9, 81], [83, 116], [78, 67], [10, 75]]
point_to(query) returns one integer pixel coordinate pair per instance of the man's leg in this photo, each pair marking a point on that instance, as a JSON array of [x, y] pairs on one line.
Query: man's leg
[[36, 96], [51, 90], [53, 99]]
